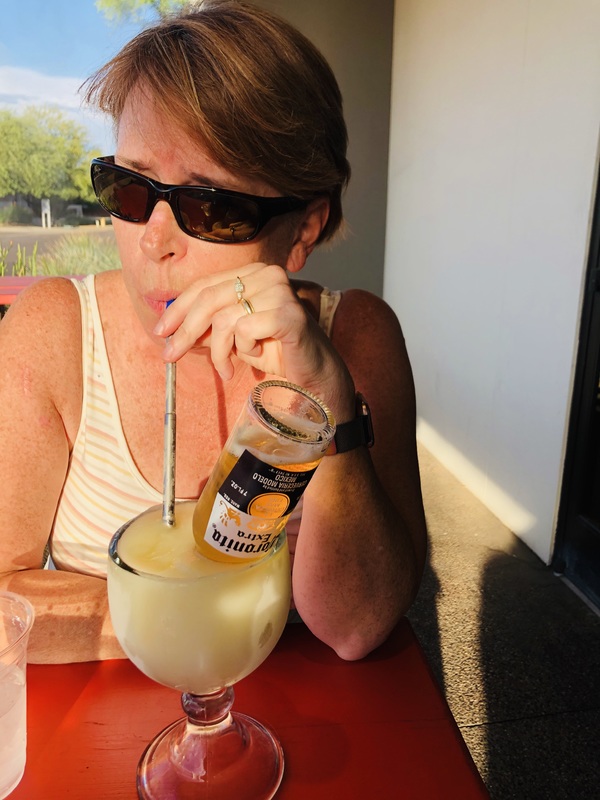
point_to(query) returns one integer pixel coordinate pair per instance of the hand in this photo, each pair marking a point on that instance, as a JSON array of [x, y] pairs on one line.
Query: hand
[[279, 337]]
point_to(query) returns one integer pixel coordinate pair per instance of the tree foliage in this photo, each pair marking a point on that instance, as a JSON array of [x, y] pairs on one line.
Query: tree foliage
[[137, 9], [44, 154]]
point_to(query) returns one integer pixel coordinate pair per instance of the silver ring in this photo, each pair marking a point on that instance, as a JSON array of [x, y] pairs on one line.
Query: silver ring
[[247, 306], [239, 288]]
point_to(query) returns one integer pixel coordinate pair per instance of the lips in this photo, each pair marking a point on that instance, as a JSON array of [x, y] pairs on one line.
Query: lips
[[157, 304]]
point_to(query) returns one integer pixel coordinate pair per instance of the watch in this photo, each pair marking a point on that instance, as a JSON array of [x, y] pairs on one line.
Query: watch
[[357, 432]]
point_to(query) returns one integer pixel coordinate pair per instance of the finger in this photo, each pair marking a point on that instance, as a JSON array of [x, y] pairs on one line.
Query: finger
[[245, 344], [222, 340], [257, 339], [189, 304], [182, 341]]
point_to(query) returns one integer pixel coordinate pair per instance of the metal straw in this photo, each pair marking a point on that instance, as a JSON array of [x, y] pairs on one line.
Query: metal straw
[[169, 445]]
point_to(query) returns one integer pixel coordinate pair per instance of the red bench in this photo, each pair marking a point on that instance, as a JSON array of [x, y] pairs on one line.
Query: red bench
[[10, 286]]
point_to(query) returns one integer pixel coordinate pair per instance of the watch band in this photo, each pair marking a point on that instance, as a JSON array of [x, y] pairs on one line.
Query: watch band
[[357, 432]]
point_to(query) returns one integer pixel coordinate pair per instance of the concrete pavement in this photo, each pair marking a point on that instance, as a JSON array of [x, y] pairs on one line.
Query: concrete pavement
[[516, 651]]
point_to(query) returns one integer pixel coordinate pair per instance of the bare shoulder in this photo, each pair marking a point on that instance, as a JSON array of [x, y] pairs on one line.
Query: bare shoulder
[[53, 300], [366, 309], [40, 338], [367, 334], [44, 319]]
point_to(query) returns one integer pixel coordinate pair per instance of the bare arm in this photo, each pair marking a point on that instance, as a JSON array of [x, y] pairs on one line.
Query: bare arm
[[362, 544], [71, 616], [40, 394]]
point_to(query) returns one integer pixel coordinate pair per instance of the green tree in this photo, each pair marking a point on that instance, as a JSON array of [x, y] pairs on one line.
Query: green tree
[[137, 9], [44, 154]]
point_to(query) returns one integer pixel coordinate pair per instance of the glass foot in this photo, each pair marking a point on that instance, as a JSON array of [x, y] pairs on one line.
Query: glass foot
[[235, 759]]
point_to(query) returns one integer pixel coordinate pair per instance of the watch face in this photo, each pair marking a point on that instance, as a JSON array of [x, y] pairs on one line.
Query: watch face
[[369, 436]]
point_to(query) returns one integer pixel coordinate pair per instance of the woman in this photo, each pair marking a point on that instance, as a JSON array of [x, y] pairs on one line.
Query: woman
[[230, 98]]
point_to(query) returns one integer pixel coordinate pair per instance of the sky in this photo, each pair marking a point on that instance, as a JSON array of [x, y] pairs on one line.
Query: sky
[[48, 48]]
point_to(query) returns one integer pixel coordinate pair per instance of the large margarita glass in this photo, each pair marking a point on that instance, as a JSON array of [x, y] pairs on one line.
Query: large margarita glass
[[199, 626]]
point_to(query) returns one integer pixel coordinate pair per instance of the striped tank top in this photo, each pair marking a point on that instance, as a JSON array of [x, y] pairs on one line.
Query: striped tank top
[[103, 488]]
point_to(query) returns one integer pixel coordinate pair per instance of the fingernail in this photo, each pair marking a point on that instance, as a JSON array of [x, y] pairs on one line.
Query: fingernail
[[226, 372], [159, 328]]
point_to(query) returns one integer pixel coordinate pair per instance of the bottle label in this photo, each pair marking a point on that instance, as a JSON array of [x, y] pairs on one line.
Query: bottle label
[[253, 505]]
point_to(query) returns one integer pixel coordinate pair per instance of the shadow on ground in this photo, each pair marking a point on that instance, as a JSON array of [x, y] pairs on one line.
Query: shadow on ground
[[515, 650]]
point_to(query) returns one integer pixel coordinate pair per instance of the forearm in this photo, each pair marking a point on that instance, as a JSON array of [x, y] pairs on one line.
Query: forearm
[[356, 570], [72, 622]]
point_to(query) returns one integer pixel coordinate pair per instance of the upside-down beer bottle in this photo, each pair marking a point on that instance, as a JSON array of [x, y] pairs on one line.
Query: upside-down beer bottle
[[272, 453]]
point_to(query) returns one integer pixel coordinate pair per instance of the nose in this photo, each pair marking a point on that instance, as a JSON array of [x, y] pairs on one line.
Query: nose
[[162, 238]]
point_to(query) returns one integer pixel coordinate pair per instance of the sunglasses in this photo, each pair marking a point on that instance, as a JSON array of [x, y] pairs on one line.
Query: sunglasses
[[214, 215]]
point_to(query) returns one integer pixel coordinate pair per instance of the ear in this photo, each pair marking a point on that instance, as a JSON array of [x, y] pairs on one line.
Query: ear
[[307, 233]]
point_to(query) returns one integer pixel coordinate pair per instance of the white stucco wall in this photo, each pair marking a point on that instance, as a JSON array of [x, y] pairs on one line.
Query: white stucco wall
[[493, 154]]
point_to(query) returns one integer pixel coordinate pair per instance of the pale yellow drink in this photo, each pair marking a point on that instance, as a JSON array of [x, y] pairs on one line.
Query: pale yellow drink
[[188, 622]]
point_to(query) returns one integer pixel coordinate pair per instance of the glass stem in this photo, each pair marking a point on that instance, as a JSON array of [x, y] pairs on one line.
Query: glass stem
[[208, 709]]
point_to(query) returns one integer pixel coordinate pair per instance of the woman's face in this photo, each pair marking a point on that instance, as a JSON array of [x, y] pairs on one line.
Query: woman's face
[[159, 260]]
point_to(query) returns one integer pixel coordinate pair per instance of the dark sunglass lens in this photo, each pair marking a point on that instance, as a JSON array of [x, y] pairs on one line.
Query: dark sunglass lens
[[221, 219], [124, 195]]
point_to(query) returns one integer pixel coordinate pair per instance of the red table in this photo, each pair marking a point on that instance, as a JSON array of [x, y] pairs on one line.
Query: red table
[[376, 728]]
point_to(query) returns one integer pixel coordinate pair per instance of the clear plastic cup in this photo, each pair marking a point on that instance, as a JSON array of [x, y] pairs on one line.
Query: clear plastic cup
[[16, 619]]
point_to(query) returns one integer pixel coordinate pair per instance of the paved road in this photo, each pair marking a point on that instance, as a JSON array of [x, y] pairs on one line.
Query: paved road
[[27, 236]]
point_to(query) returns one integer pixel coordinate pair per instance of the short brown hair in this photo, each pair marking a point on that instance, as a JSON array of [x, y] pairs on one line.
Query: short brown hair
[[247, 85]]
